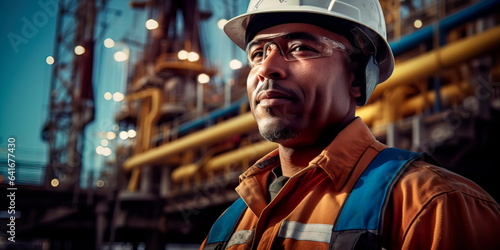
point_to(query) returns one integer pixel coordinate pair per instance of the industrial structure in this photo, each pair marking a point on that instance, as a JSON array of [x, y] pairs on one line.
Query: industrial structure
[[195, 137]]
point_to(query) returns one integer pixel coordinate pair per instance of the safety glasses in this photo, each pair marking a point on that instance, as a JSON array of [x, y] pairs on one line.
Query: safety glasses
[[292, 47]]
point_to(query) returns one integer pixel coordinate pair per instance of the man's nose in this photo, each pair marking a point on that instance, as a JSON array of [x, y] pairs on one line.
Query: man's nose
[[273, 64], [269, 49]]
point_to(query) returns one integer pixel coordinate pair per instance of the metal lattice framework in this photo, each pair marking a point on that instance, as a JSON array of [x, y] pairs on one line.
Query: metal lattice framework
[[71, 96]]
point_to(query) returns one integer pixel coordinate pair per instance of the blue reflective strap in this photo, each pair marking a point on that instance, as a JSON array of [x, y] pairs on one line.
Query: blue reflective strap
[[364, 206], [224, 226]]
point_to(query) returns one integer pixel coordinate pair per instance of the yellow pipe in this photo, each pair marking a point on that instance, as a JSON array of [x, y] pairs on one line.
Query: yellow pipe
[[185, 171], [218, 163], [133, 183], [153, 105], [429, 63], [416, 104], [147, 125], [369, 112], [249, 152], [240, 124], [450, 94]]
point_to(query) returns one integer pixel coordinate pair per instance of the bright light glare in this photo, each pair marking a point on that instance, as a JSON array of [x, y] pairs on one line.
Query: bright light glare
[[111, 135], [106, 151], [123, 135], [151, 24], [235, 64], [108, 96], [193, 57], [104, 142], [132, 133], [182, 55], [99, 149], [417, 24], [120, 56], [50, 60], [99, 183], [203, 78], [79, 50], [109, 43], [221, 23], [54, 182], [118, 97]]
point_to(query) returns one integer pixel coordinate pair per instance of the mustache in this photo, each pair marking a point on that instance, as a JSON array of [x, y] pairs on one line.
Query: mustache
[[270, 84]]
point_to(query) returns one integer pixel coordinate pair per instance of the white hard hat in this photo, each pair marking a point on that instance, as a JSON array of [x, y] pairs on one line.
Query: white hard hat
[[366, 15]]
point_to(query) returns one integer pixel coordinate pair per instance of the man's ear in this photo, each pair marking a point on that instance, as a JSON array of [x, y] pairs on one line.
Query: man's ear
[[355, 90]]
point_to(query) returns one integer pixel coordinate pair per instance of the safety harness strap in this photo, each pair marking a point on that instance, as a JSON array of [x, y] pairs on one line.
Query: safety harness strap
[[224, 226], [360, 219]]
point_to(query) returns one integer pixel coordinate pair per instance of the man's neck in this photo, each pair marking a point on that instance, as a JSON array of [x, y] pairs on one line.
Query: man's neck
[[293, 160]]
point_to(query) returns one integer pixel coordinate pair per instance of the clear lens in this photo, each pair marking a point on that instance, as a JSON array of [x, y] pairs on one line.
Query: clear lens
[[292, 47]]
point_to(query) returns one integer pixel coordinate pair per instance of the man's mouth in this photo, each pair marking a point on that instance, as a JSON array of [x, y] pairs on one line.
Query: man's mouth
[[272, 97]]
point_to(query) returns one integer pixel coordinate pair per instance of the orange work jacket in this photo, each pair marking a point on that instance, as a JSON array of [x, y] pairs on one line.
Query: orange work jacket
[[429, 208]]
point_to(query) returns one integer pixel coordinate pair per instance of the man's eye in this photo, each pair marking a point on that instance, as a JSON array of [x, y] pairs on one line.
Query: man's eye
[[256, 55], [302, 48]]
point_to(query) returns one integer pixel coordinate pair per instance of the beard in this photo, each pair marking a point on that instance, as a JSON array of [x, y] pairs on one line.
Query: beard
[[282, 124], [278, 135], [279, 131]]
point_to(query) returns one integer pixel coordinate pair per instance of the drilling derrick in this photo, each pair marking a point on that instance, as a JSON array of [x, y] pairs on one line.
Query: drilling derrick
[[163, 91], [71, 95], [164, 87]]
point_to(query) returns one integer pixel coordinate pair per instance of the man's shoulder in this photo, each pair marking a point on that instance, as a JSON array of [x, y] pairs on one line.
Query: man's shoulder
[[424, 180], [430, 203]]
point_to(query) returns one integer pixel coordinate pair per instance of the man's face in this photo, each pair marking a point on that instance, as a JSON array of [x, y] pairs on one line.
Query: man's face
[[297, 103]]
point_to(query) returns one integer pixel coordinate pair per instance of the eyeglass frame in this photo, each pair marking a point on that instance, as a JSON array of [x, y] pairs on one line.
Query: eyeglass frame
[[263, 44]]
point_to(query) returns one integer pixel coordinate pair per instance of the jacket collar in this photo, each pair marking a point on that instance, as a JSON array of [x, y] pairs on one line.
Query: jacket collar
[[337, 160]]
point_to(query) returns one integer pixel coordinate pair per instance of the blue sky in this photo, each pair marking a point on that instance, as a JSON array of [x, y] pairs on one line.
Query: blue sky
[[26, 41], [27, 38], [24, 77]]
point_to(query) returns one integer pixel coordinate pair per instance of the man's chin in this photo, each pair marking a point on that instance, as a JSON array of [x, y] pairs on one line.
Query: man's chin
[[277, 134]]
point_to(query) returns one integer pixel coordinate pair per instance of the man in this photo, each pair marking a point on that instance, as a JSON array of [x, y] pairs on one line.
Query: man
[[311, 63]]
